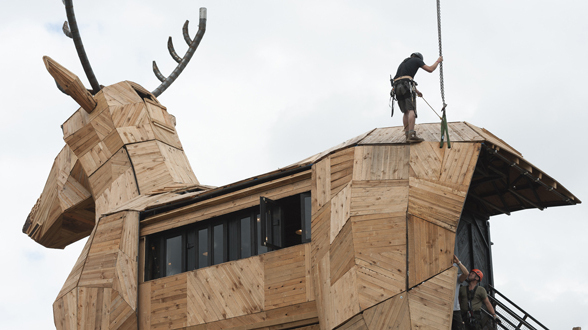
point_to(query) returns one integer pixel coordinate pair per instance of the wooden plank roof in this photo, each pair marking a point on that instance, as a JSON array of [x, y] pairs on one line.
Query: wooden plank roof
[[517, 185]]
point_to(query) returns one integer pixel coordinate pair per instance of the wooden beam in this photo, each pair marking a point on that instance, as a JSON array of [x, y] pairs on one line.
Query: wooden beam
[[71, 84]]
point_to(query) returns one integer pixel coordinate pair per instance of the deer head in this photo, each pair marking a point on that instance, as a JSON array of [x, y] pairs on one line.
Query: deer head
[[120, 143]]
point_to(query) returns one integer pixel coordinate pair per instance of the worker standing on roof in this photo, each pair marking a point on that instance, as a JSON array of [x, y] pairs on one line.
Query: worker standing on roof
[[471, 297], [405, 90]]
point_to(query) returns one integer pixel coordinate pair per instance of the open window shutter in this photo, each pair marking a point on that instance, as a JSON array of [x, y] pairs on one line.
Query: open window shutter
[[270, 223]]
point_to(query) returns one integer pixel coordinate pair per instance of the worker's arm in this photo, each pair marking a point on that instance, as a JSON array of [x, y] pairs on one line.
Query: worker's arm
[[464, 270], [418, 93], [491, 310], [431, 68]]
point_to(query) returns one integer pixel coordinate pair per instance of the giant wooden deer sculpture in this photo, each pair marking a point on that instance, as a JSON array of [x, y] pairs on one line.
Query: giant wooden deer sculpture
[[120, 143], [384, 216]]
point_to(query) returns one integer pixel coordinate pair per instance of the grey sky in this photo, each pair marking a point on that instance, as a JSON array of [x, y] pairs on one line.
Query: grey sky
[[274, 82]]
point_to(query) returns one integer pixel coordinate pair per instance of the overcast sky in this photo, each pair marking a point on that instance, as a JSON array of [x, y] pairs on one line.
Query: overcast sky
[[274, 82]]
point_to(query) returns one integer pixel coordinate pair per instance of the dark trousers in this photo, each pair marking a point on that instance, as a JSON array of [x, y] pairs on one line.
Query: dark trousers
[[473, 323], [457, 323]]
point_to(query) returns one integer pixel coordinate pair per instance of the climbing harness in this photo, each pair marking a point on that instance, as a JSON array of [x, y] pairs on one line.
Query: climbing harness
[[444, 128]]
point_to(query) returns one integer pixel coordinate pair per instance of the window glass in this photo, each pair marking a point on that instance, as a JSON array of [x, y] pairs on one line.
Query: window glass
[[233, 240], [203, 248], [246, 237], [307, 217], [191, 250], [154, 261], [260, 238], [173, 256], [218, 244]]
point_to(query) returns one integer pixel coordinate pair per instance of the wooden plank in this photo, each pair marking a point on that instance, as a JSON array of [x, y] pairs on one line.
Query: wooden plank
[[341, 169], [321, 184], [169, 302], [285, 277], [436, 202], [426, 159], [321, 233], [391, 314], [431, 303], [342, 253], [102, 123], [225, 291], [386, 196], [380, 253], [324, 298], [310, 296], [125, 282], [178, 165], [459, 163], [345, 298], [387, 135], [96, 156], [430, 249], [74, 123], [144, 308], [381, 163], [355, 323], [242, 199], [340, 210]]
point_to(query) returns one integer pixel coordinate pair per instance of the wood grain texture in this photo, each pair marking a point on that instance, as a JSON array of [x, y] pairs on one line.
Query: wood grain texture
[[342, 253], [431, 303], [225, 291], [341, 169], [436, 202], [169, 302], [430, 249], [340, 210], [321, 184], [381, 163], [355, 323], [380, 255], [285, 277], [378, 196], [390, 314]]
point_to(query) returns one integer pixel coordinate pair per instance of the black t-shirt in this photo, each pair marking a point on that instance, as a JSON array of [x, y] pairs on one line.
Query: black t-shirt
[[409, 67]]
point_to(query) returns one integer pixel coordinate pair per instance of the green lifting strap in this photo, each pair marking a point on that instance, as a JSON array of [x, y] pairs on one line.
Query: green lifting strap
[[444, 131]]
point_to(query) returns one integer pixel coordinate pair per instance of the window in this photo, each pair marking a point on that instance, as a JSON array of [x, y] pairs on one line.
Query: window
[[272, 225]]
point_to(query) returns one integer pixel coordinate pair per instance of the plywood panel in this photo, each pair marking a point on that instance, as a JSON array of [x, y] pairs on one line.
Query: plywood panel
[[431, 303], [285, 277], [102, 123], [321, 184], [225, 291], [380, 254], [459, 163], [169, 302], [144, 309], [341, 169], [321, 233], [178, 165], [355, 323], [386, 135], [370, 197], [436, 202], [125, 282], [430, 249], [426, 159], [381, 163], [342, 253], [345, 299], [340, 210], [391, 314], [120, 94]]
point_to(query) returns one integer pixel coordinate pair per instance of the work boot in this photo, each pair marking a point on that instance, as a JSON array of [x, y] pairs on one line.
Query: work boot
[[413, 138]]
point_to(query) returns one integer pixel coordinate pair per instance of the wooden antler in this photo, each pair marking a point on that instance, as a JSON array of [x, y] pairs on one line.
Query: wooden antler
[[70, 84], [74, 33], [182, 62]]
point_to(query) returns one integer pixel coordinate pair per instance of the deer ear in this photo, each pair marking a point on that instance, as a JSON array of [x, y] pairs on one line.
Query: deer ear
[[70, 83]]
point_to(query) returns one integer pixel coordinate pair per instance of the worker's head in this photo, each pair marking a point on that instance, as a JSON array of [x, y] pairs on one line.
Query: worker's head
[[475, 275], [419, 55]]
